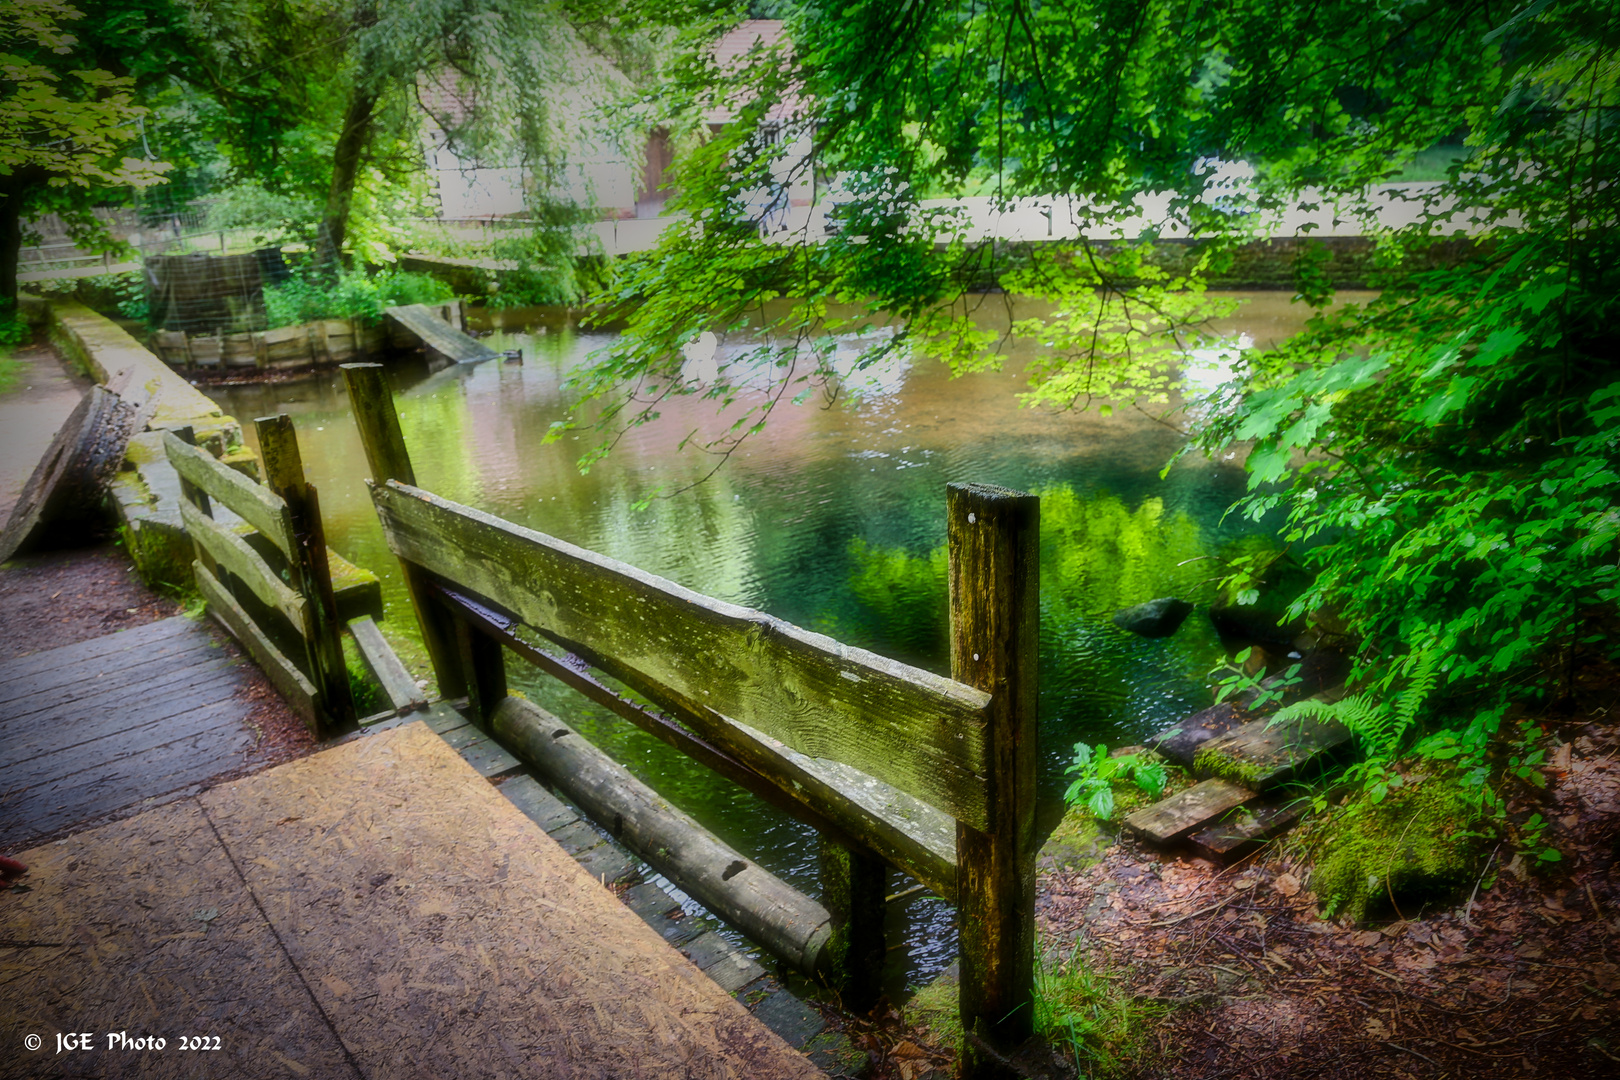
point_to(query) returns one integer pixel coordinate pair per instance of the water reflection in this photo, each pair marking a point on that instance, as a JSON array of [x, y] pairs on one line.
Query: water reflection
[[832, 518]]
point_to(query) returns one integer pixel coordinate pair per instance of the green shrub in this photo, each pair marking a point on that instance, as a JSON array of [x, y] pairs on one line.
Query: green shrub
[[310, 295]]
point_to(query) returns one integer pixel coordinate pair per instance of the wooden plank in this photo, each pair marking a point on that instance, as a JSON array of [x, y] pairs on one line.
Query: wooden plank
[[1246, 830], [283, 675], [1169, 820], [912, 729], [191, 714], [439, 335], [232, 553], [385, 666], [119, 641], [249, 501], [767, 909], [484, 669], [311, 576], [994, 538], [1262, 755], [63, 724], [854, 886], [66, 675], [176, 766], [1181, 742], [124, 672]]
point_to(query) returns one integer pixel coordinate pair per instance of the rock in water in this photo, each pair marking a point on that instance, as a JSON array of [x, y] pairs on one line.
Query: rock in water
[[1154, 619]]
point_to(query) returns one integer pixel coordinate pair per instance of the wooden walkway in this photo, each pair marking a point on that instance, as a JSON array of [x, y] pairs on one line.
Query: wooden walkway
[[127, 720], [373, 910]]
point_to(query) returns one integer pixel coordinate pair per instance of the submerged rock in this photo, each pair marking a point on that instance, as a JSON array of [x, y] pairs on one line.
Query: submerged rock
[[1154, 619]]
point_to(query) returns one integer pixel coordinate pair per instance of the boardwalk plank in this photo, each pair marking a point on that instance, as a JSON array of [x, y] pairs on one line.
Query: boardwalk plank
[[115, 707], [41, 758], [94, 681], [162, 770], [69, 655]]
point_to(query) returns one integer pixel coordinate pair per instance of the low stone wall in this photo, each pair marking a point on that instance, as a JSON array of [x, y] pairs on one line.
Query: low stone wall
[[146, 491]]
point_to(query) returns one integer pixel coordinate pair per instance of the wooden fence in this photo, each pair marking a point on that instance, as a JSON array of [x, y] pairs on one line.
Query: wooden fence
[[267, 578], [323, 342], [894, 765]]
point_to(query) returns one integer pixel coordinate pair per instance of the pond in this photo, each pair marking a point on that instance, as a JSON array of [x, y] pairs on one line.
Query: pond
[[832, 518]]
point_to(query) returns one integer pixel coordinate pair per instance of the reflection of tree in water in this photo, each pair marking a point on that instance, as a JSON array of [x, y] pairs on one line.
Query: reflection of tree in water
[[1098, 554]]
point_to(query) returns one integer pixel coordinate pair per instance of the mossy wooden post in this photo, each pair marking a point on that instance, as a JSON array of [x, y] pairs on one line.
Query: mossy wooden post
[[854, 884], [372, 402], [994, 537], [311, 575]]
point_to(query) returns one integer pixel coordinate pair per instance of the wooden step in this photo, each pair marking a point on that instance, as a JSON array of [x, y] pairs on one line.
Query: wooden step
[[1181, 743], [1246, 830], [1169, 820], [1262, 755]]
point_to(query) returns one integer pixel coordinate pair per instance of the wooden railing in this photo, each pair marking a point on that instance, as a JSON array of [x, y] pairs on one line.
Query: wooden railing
[[268, 581], [895, 765]]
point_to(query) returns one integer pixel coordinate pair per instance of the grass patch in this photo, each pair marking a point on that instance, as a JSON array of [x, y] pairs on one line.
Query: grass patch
[[10, 372], [1089, 1016]]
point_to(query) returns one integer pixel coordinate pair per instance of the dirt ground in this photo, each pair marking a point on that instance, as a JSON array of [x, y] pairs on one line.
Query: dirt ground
[[1242, 978], [63, 597]]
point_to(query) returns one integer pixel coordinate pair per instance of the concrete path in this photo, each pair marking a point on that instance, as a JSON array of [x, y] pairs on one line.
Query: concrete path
[[374, 910], [31, 412]]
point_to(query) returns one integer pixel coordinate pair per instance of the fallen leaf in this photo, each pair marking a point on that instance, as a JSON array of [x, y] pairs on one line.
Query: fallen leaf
[[906, 1049], [1366, 938], [1286, 884]]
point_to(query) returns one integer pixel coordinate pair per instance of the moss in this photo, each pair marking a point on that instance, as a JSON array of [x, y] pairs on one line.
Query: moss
[[1211, 762], [1078, 841], [1419, 846], [162, 560]]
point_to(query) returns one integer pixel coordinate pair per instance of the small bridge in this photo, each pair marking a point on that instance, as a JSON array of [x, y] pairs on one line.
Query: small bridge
[[440, 336]]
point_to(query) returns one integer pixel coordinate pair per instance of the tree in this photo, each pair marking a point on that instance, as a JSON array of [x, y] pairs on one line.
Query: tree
[[312, 95], [1445, 453], [64, 124]]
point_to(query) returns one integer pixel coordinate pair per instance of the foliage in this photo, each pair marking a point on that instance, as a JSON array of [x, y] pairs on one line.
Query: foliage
[[1416, 844], [548, 270], [13, 328], [64, 124], [1445, 454], [1232, 681], [1096, 774], [339, 124], [352, 294]]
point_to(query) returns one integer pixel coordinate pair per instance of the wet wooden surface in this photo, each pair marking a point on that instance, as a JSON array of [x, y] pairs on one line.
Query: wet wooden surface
[[374, 910], [95, 729]]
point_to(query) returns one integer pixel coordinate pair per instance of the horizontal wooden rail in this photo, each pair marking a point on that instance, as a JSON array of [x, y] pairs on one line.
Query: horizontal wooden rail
[[252, 503], [232, 553], [282, 672], [845, 805], [916, 731]]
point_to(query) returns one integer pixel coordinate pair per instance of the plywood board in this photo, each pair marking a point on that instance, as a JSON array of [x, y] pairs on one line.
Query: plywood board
[[445, 935], [144, 927]]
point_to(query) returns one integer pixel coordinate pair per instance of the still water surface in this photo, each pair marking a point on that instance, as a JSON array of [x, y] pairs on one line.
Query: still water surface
[[833, 518]]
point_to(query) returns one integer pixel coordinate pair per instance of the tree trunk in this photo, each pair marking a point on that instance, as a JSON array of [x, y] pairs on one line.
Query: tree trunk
[[351, 146], [11, 200]]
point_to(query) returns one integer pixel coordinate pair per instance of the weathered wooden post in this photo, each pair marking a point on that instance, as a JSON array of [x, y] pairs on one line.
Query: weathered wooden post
[[372, 402], [312, 575], [994, 537], [854, 886], [484, 667]]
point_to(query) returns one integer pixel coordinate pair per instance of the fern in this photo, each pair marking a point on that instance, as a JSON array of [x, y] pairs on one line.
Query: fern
[[1370, 721]]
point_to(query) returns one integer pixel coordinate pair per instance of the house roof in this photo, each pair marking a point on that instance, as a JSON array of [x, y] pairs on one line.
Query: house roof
[[731, 54]]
